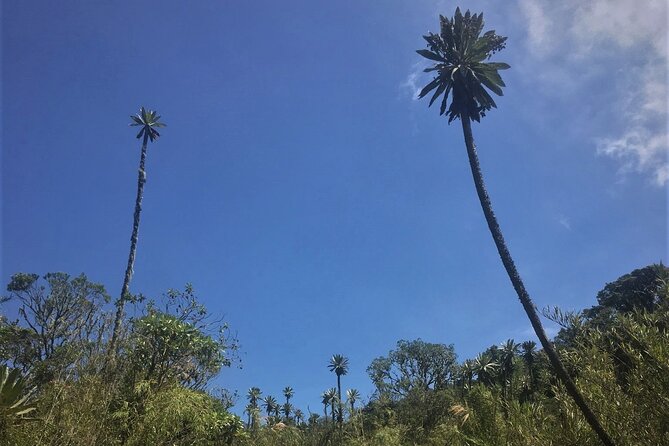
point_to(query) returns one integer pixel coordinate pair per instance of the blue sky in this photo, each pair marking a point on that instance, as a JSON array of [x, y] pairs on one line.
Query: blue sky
[[306, 194]]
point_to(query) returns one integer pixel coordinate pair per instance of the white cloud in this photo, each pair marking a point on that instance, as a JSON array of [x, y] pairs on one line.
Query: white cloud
[[576, 40], [412, 86]]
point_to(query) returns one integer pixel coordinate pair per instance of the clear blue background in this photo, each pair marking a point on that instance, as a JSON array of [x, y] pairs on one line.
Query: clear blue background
[[299, 186]]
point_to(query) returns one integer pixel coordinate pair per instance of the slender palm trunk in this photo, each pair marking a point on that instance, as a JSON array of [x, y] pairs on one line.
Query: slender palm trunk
[[340, 415], [120, 304], [518, 285]]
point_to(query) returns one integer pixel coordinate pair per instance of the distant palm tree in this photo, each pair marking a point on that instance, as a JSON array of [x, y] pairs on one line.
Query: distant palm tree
[[331, 396], [352, 395], [485, 369], [253, 396], [508, 352], [339, 365], [459, 52], [249, 410], [466, 373], [299, 416], [287, 409], [148, 120], [270, 406], [529, 350], [528, 355], [325, 400], [288, 393]]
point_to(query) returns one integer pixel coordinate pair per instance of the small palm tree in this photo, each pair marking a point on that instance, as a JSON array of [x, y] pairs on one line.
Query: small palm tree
[[287, 409], [485, 369], [352, 395], [253, 396], [331, 396], [270, 405], [339, 365], [149, 121], [460, 53], [288, 393], [508, 352], [325, 400], [466, 375], [299, 416]]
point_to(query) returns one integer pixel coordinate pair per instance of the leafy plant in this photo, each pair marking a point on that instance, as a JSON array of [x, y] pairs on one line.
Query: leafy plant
[[15, 399]]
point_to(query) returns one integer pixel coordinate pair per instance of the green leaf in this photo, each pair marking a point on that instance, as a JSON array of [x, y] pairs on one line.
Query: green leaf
[[438, 91], [491, 85], [430, 55], [499, 65], [429, 87]]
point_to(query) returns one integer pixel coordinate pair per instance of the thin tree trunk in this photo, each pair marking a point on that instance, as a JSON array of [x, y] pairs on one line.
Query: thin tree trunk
[[120, 304], [340, 415], [518, 285]]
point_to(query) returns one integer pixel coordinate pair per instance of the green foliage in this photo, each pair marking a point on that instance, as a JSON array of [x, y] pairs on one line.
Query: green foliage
[[459, 51], [149, 120], [413, 365], [15, 399], [178, 343], [149, 397], [62, 323], [180, 416]]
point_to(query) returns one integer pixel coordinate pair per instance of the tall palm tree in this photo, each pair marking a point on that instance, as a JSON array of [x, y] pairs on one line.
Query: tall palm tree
[[459, 52], [149, 121], [339, 365]]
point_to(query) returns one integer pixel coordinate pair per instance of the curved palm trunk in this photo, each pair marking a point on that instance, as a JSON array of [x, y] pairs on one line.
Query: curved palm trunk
[[518, 285], [120, 304]]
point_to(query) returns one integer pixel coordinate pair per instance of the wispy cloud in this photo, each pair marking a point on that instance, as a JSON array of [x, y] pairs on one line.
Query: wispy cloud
[[576, 39], [411, 85], [564, 222]]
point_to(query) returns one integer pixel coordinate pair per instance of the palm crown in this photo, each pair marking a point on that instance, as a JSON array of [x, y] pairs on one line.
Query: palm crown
[[149, 120], [338, 364], [460, 51]]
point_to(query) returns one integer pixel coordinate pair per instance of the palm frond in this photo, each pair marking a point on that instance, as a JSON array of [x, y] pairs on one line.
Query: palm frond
[[459, 51]]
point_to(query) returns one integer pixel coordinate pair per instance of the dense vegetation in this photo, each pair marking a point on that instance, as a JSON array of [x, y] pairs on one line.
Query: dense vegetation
[[61, 391]]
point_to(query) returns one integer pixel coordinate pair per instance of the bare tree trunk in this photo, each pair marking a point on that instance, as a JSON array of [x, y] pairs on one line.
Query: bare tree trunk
[[120, 303], [340, 415], [518, 285]]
